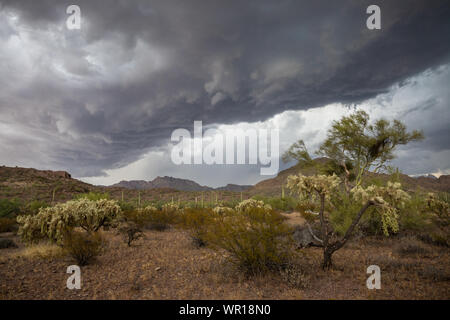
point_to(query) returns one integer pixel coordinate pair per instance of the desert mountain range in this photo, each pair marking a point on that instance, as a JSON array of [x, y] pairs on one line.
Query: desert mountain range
[[28, 184]]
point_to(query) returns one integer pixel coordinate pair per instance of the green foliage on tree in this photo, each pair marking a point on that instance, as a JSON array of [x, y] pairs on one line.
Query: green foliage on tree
[[356, 145]]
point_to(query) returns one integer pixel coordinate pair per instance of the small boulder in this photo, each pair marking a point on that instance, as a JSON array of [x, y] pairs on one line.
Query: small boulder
[[303, 237]]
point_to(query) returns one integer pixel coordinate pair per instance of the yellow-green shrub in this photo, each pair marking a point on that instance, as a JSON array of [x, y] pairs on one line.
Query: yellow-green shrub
[[197, 222], [160, 219], [256, 239]]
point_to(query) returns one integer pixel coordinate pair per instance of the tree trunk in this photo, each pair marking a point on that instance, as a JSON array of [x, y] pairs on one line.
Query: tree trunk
[[330, 248], [327, 261]]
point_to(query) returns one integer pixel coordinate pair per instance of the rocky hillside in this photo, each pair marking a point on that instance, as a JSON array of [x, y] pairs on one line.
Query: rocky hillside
[[163, 182], [31, 184], [235, 187], [176, 184]]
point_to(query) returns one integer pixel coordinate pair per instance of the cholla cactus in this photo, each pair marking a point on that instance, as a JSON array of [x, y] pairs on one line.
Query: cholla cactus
[[312, 185], [438, 206], [144, 212], [387, 200], [248, 204], [171, 207], [54, 222], [223, 210]]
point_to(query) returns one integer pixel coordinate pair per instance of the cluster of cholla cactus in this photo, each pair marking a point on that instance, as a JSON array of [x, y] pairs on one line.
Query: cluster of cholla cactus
[[246, 205], [171, 207], [54, 222], [438, 206], [223, 210], [313, 185], [387, 201]]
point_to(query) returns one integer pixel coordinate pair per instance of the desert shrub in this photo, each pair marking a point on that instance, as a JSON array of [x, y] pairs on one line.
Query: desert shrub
[[131, 226], [159, 220], [83, 246], [410, 246], [197, 223], [250, 204], [54, 222], [414, 216], [127, 206], [256, 239], [9, 208], [8, 225]]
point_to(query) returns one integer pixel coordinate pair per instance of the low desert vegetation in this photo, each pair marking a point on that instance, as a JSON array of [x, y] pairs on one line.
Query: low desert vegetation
[[256, 239], [345, 212]]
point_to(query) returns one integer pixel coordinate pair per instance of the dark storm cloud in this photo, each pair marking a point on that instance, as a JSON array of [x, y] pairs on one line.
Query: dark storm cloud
[[101, 97]]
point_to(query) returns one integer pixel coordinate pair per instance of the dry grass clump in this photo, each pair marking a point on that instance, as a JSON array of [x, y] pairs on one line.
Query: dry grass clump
[[410, 246], [435, 273], [48, 251]]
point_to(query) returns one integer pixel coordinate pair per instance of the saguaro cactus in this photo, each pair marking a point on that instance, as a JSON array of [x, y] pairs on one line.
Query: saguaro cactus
[[139, 199]]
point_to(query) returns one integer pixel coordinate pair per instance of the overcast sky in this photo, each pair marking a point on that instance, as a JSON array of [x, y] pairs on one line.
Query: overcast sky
[[101, 102]]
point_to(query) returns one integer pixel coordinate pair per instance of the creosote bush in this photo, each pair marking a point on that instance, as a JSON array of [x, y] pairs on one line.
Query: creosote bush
[[256, 239], [197, 223], [83, 246], [160, 220]]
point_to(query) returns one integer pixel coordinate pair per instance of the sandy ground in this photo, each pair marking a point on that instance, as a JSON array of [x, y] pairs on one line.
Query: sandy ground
[[166, 265]]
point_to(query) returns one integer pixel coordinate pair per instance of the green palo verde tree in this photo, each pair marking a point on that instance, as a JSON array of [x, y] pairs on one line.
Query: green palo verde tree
[[353, 147]]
